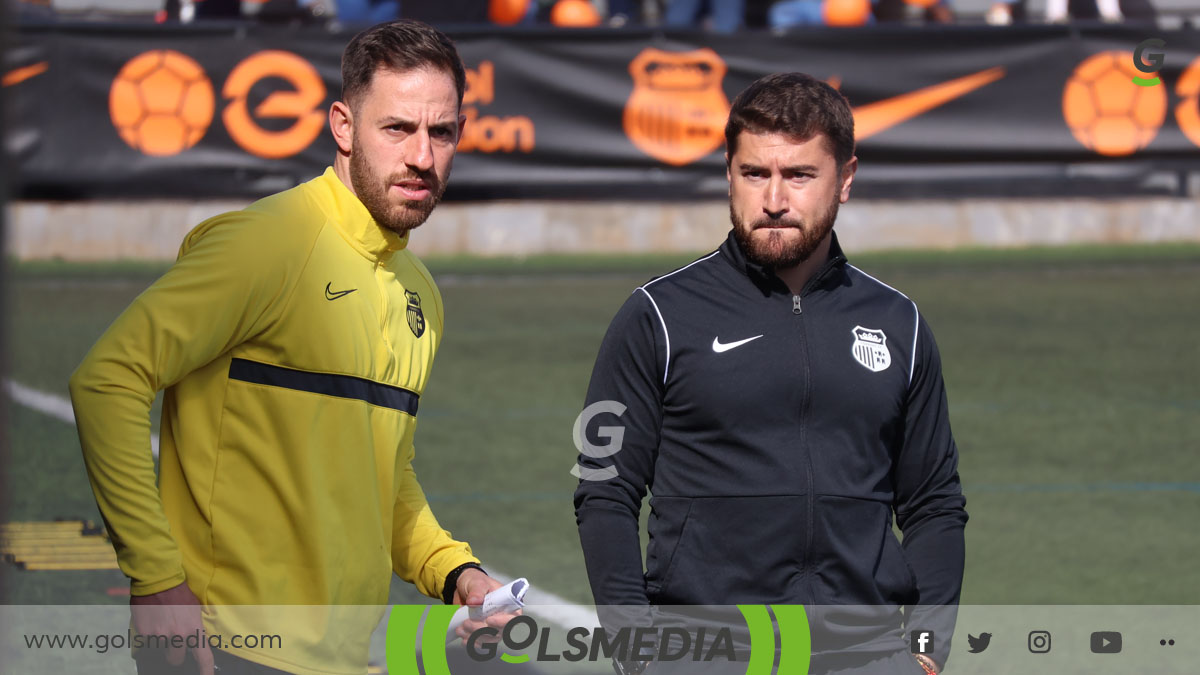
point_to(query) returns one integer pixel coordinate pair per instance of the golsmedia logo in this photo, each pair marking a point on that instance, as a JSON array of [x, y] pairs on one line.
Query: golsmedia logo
[[614, 434], [1148, 59], [626, 643], [417, 641]]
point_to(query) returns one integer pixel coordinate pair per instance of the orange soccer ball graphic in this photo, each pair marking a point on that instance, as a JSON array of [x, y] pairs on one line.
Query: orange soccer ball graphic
[[1106, 111], [161, 102]]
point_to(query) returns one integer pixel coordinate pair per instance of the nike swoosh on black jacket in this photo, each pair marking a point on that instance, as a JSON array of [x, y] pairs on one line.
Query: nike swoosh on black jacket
[[776, 466]]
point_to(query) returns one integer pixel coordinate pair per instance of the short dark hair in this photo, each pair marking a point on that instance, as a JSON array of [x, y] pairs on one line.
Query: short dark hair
[[796, 105], [401, 46]]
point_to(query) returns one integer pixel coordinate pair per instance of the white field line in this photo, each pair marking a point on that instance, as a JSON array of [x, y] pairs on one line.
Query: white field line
[[49, 404], [549, 606]]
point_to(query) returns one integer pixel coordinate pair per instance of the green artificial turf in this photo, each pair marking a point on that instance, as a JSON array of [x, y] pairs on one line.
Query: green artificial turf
[[1072, 377]]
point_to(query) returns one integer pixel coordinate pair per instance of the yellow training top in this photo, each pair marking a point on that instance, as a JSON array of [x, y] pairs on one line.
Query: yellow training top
[[294, 339]]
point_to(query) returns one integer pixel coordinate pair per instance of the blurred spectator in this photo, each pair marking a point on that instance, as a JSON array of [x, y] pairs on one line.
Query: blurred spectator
[[450, 12], [361, 12], [216, 9], [267, 11], [725, 16], [1005, 12], [931, 11], [34, 11], [623, 13], [349, 12], [574, 14], [789, 13]]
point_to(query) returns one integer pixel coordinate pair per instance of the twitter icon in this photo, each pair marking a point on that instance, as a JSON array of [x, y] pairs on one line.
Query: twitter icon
[[980, 643]]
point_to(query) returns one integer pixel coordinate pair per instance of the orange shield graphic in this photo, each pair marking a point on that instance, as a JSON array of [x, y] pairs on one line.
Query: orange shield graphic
[[677, 111]]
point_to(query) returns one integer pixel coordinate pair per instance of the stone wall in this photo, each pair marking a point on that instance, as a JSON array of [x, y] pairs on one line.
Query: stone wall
[[153, 230]]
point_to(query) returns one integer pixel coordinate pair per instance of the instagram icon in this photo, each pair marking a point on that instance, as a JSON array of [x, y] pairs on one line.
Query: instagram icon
[[1039, 641]]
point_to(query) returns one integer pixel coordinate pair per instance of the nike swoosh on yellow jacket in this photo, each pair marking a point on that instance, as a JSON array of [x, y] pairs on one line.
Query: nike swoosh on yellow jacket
[[287, 426]]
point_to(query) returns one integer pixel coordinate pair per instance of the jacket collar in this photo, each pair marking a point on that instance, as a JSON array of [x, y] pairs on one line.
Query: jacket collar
[[765, 279], [352, 219]]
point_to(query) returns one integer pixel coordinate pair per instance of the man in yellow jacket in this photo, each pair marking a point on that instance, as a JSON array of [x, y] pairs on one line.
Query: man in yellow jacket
[[294, 339]]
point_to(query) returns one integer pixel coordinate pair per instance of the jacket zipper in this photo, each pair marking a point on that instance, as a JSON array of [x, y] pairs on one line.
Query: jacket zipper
[[796, 309], [804, 565], [383, 310]]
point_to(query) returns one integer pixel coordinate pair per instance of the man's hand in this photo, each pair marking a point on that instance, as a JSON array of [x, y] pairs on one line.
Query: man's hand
[[472, 585], [175, 611]]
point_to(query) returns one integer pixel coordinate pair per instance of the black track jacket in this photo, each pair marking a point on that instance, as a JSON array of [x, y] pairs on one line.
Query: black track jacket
[[777, 434]]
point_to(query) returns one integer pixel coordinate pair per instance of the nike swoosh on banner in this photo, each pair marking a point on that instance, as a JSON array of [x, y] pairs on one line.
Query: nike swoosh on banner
[[334, 295], [19, 75], [718, 347], [873, 118]]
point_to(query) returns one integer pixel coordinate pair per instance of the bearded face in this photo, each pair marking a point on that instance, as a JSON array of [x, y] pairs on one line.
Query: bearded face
[[784, 195], [394, 211], [406, 127], [783, 243]]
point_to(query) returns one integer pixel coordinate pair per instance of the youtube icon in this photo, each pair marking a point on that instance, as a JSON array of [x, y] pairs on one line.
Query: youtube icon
[[1106, 642]]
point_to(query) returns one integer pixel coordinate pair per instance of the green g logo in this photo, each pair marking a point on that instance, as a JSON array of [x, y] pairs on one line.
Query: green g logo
[[1148, 63], [414, 644]]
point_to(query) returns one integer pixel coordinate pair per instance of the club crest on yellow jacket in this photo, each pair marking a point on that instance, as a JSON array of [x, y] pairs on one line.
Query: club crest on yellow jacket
[[416, 319]]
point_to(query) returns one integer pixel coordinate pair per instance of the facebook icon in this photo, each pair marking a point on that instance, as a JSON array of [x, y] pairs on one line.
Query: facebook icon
[[922, 641]]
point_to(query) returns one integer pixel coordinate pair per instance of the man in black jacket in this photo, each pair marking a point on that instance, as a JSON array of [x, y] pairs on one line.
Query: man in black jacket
[[781, 405]]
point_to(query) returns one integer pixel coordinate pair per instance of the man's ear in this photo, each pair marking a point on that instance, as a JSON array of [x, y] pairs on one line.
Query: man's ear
[[341, 123], [848, 178], [462, 124], [728, 170]]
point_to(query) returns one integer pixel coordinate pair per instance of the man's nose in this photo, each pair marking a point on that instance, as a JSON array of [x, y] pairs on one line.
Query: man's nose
[[419, 153], [775, 200]]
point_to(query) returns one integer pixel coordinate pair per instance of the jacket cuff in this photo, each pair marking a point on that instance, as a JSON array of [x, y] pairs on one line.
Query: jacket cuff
[[451, 584], [150, 588]]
